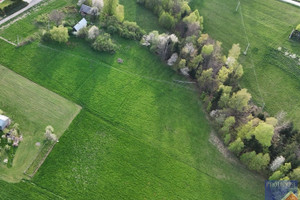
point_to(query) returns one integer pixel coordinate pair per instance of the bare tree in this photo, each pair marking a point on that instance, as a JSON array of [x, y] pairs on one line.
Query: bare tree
[[56, 17]]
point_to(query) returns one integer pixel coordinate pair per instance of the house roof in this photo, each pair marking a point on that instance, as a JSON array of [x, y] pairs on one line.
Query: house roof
[[81, 24], [4, 121], [86, 9]]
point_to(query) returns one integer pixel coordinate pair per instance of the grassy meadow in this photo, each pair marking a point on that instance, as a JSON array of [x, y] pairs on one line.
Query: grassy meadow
[[139, 134], [33, 107], [268, 25]]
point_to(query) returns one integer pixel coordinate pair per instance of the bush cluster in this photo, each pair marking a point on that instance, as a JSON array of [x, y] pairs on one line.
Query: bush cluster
[[126, 29], [258, 139]]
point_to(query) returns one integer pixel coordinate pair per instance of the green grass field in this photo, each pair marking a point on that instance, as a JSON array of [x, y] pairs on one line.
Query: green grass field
[[268, 25], [33, 107], [139, 134]]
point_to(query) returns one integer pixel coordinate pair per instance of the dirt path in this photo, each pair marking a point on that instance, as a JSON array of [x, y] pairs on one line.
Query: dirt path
[[31, 4], [2, 38], [295, 3]]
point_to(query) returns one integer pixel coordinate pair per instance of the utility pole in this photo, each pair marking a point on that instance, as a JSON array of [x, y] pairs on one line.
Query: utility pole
[[237, 7]]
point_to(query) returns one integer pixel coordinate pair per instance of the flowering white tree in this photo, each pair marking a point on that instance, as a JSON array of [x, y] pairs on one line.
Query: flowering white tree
[[161, 44], [277, 163], [49, 135], [93, 32], [98, 4], [80, 2]]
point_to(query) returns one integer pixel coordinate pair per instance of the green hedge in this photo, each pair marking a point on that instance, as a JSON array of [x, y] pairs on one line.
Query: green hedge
[[14, 7]]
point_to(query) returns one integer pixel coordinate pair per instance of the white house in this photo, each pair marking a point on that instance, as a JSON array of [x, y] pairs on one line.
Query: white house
[[80, 25], [4, 122]]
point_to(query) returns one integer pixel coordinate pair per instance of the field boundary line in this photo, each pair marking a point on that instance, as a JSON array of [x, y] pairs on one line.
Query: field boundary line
[[9, 42], [250, 56], [29, 182], [41, 162], [119, 70]]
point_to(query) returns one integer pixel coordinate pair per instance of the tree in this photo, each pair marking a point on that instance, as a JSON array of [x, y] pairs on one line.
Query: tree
[[98, 4], [295, 175], [195, 62], [182, 64], [59, 34], [56, 16], [255, 161], [225, 97], [80, 2], [166, 20], [120, 13], [236, 146], [223, 74], [277, 163], [228, 123], [104, 43], [94, 12], [272, 121], [110, 8], [277, 175], [239, 100], [49, 135], [234, 52], [232, 61], [93, 32], [206, 79], [207, 49], [264, 133]]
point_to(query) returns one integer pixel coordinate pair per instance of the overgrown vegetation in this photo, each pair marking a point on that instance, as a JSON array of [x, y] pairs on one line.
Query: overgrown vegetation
[[9, 142], [251, 134]]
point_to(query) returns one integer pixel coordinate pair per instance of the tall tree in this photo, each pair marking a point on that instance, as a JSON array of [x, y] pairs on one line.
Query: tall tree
[[239, 100], [110, 8]]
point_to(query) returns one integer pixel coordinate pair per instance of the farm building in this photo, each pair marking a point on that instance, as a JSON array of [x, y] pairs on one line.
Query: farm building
[[85, 10], [80, 25], [4, 122]]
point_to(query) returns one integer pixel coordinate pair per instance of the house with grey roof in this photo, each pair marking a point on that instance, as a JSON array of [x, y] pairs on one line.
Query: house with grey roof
[[85, 10], [4, 122]]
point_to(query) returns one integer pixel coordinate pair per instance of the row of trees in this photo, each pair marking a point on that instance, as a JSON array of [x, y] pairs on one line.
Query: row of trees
[[176, 15], [260, 141]]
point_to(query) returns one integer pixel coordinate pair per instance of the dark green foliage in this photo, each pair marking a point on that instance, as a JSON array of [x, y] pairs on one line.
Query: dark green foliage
[[14, 7], [126, 29], [167, 21], [131, 30]]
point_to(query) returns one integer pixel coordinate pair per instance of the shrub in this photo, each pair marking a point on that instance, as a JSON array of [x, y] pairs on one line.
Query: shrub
[[256, 161], [236, 146], [131, 30], [104, 43], [93, 32], [59, 34], [42, 19], [82, 33]]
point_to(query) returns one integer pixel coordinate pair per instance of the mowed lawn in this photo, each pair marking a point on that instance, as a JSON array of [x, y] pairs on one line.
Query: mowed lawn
[[139, 135], [268, 24], [33, 107]]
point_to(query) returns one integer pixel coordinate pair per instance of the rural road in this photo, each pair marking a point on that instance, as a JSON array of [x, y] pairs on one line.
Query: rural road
[[31, 3], [292, 2]]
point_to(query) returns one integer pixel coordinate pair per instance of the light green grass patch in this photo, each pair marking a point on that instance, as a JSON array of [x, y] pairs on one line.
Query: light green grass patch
[[33, 107]]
